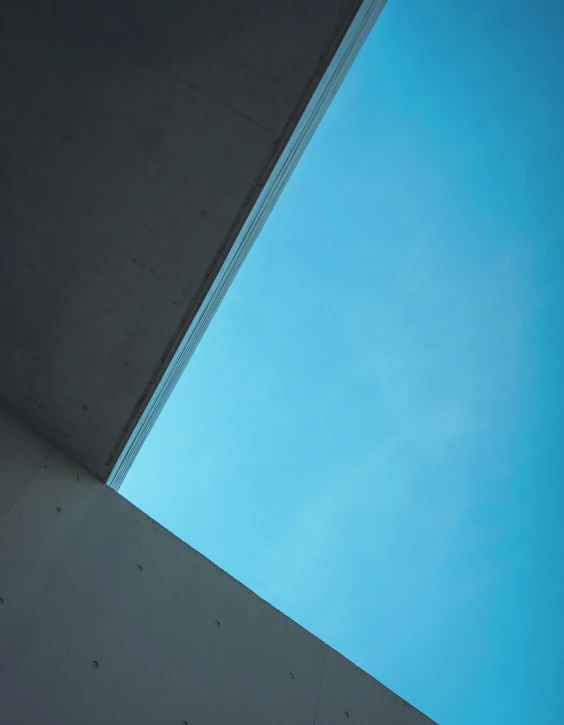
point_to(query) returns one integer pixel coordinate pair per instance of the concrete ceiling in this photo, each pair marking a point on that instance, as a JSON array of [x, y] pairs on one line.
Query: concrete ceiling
[[135, 139]]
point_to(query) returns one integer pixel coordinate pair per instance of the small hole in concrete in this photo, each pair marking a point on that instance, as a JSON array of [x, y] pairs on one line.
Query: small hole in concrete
[[139, 567], [1, 600], [184, 722], [58, 509], [94, 665], [216, 622], [347, 714], [291, 674]]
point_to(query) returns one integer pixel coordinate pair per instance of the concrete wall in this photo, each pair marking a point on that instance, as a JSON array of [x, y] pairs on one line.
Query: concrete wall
[[106, 617]]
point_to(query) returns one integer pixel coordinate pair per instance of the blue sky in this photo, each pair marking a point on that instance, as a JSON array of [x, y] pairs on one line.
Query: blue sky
[[370, 435]]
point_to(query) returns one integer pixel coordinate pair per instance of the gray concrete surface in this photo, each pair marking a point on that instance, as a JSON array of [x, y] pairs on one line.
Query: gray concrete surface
[[135, 139], [106, 617]]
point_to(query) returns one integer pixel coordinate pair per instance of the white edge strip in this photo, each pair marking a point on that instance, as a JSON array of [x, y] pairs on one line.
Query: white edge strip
[[322, 97]]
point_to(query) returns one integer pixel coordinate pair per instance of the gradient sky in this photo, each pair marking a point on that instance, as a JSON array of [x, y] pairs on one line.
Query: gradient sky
[[371, 434]]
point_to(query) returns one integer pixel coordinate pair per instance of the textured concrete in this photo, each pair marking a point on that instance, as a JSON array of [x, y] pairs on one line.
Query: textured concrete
[[105, 617], [135, 138]]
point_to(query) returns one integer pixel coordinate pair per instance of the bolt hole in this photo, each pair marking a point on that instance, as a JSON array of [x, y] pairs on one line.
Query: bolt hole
[[1, 600], [94, 665], [58, 509], [184, 722], [291, 675], [139, 567], [347, 714], [217, 623]]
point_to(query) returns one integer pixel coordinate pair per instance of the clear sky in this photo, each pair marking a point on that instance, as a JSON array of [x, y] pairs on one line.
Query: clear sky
[[371, 434]]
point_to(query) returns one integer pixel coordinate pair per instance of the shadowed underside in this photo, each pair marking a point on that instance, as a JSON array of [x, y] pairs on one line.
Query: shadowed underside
[[135, 140]]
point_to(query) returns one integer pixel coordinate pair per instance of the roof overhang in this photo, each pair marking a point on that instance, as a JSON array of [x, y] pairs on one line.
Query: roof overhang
[[142, 146]]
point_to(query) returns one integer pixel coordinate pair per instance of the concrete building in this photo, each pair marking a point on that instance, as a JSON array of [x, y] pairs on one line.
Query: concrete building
[[142, 146]]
